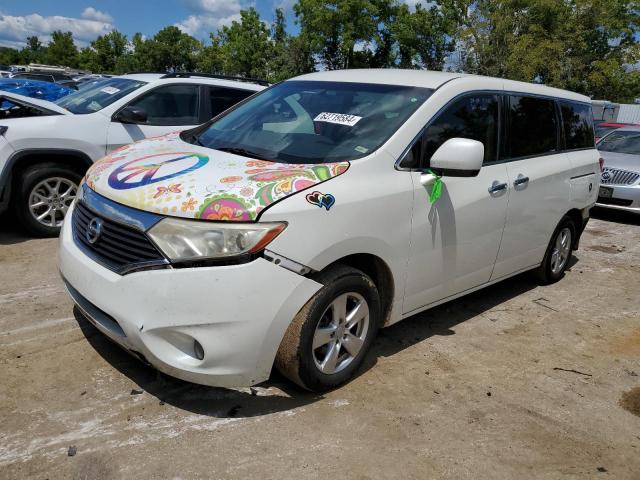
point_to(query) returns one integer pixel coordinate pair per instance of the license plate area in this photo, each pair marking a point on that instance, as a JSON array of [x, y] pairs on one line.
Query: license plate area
[[605, 192]]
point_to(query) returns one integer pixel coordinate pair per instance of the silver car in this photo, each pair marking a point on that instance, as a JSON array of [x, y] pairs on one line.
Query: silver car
[[620, 185]]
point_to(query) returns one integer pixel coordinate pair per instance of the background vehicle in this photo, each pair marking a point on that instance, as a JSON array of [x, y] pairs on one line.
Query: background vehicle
[[34, 88], [603, 128], [46, 147], [620, 182], [294, 225]]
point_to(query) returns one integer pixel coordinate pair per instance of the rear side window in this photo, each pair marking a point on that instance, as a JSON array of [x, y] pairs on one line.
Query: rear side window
[[577, 120], [170, 105], [474, 117], [532, 127], [223, 98]]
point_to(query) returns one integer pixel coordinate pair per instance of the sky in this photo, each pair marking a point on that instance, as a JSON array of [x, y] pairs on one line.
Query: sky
[[88, 19]]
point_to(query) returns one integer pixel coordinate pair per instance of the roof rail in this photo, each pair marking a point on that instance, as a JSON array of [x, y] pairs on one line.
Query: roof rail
[[214, 75]]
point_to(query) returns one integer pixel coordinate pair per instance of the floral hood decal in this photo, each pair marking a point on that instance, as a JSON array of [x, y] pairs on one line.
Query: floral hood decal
[[168, 176]]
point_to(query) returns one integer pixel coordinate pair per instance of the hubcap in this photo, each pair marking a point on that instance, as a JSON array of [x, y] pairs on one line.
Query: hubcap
[[560, 252], [341, 332], [50, 199]]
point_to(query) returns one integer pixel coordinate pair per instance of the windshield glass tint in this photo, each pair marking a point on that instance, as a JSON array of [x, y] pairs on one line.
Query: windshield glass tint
[[621, 142], [314, 122], [99, 95]]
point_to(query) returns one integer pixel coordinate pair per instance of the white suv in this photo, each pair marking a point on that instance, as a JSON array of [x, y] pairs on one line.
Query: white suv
[[45, 147], [290, 228]]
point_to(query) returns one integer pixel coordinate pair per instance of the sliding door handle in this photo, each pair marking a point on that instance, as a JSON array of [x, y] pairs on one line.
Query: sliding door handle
[[497, 187], [521, 180]]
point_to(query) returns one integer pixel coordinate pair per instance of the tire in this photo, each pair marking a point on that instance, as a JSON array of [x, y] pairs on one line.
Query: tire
[[47, 183], [312, 368], [556, 259]]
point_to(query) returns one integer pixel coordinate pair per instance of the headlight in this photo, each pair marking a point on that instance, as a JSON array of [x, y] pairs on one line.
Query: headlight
[[184, 240]]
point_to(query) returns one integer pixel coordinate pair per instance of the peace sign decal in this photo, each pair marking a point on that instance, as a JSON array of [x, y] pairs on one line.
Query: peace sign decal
[[163, 167]]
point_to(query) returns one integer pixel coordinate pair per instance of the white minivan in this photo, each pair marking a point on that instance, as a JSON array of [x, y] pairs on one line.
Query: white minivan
[[287, 230]]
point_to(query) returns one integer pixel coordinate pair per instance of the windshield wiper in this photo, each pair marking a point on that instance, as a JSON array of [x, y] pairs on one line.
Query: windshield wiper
[[242, 152]]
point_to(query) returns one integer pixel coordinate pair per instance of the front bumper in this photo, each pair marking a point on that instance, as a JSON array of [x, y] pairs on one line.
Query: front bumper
[[624, 197], [238, 313]]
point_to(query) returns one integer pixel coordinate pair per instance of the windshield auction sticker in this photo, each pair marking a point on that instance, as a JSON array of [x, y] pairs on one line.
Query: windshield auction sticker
[[339, 118], [110, 90]]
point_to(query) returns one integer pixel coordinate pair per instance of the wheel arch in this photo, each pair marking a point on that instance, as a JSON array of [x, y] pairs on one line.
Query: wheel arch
[[23, 159], [578, 222], [378, 270]]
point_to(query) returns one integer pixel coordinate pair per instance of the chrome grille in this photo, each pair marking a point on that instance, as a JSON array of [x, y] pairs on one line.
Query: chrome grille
[[614, 176], [119, 247]]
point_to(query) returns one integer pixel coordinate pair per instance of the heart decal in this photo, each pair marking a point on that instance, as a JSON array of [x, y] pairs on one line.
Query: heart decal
[[320, 199]]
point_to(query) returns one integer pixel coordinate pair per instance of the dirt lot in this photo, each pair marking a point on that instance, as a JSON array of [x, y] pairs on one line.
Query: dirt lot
[[515, 381]]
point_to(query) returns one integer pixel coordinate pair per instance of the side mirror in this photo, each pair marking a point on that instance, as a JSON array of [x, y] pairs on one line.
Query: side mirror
[[131, 115], [458, 157]]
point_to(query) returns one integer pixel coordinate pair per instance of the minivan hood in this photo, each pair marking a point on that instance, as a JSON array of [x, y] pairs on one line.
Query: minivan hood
[[169, 176], [35, 102]]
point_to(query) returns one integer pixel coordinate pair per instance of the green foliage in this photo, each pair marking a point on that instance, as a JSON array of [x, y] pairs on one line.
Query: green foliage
[[171, 49], [61, 50], [580, 45], [333, 28], [245, 45]]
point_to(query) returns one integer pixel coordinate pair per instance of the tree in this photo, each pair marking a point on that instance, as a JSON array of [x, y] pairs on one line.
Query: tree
[[245, 45], [581, 45], [289, 55], [425, 37], [62, 50], [211, 58], [333, 28], [169, 50]]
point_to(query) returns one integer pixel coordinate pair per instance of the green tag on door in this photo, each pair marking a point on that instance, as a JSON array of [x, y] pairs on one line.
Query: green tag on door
[[436, 188]]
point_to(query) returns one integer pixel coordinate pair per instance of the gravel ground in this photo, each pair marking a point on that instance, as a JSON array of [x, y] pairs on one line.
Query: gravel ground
[[514, 381]]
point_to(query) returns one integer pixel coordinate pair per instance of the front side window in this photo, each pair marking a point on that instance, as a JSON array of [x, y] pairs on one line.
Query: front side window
[[170, 105], [222, 98], [100, 95], [621, 141], [314, 121], [532, 127], [577, 120], [474, 117]]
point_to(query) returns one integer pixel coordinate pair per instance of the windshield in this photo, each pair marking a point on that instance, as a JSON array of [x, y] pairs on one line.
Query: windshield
[[314, 122], [621, 141], [99, 95]]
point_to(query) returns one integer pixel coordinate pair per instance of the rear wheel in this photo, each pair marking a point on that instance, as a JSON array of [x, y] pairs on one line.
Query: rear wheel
[[329, 338], [556, 258], [43, 196]]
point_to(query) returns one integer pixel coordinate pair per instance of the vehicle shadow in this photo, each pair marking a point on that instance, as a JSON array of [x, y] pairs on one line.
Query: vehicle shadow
[[440, 320], [10, 231], [617, 216], [228, 403]]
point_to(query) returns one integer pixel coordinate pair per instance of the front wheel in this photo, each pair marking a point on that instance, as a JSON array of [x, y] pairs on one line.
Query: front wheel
[[556, 258], [329, 338], [43, 195]]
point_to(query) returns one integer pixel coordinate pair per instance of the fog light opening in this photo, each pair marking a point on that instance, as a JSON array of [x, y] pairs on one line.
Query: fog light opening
[[198, 350]]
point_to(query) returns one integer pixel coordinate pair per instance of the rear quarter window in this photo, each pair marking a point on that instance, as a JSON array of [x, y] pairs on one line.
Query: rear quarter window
[[577, 122]]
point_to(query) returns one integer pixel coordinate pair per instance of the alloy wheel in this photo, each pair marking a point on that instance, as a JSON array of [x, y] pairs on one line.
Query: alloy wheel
[[561, 250], [50, 200], [340, 333]]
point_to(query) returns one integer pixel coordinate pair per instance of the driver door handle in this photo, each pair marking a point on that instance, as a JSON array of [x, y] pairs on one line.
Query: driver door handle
[[497, 187]]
